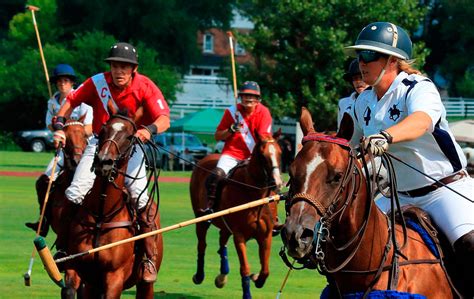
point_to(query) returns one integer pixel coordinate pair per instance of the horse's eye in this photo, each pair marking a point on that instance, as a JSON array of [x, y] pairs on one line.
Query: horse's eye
[[335, 178]]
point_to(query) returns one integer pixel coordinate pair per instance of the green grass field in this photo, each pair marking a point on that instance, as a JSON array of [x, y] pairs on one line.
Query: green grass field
[[18, 205]]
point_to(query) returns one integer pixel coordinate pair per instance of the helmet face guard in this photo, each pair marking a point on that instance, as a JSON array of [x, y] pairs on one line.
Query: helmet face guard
[[63, 70], [383, 37], [251, 88], [123, 52]]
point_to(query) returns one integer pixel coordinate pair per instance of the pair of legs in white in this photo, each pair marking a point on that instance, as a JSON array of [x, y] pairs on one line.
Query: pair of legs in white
[[452, 213], [84, 177]]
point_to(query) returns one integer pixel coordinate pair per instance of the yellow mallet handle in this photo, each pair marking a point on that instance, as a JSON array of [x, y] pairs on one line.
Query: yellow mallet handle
[[48, 261]]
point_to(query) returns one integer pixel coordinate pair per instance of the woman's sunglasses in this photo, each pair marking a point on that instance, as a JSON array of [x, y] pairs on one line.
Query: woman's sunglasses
[[367, 56]]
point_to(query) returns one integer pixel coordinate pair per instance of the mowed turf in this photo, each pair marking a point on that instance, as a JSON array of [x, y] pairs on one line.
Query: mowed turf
[[18, 205]]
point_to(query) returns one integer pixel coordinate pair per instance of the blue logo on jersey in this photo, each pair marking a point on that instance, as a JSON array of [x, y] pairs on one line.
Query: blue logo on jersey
[[367, 115], [394, 113]]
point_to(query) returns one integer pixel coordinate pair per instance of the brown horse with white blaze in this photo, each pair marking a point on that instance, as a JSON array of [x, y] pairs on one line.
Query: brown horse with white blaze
[[332, 218], [106, 216], [259, 178]]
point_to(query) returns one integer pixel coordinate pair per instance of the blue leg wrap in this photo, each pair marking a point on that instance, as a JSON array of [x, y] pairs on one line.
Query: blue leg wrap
[[224, 260], [246, 287]]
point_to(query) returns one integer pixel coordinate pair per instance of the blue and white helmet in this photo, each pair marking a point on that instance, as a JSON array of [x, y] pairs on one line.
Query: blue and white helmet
[[383, 37]]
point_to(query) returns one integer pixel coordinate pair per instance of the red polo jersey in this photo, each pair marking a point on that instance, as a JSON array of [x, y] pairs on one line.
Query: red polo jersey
[[141, 92], [240, 144]]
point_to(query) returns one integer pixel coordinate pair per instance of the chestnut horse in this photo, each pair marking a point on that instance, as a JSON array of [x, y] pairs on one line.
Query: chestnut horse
[[74, 148], [106, 216], [259, 178], [331, 216]]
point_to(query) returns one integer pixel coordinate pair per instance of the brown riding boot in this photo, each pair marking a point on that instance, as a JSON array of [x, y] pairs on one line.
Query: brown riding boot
[[146, 220], [62, 239], [212, 183], [41, 188], [464, 254]]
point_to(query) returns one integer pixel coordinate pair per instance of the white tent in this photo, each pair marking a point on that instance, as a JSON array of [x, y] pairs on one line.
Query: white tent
[[463, 130]]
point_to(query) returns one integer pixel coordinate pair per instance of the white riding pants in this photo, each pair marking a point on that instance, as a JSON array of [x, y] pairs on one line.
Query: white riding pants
[[453, 214], [227, 162], [84, 177], [59, 166]]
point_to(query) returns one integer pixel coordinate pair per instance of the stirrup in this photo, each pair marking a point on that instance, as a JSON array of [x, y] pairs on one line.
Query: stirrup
[[148, 269]]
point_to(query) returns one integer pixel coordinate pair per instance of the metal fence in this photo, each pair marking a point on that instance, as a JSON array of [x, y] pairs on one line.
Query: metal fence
[[460, 107]]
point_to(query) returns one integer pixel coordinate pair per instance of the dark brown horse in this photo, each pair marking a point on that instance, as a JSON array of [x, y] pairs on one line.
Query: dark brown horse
[[257, 179], [333, 218], [104, 217]]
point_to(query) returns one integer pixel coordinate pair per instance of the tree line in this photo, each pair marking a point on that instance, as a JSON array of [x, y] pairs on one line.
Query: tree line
[[297, 46]]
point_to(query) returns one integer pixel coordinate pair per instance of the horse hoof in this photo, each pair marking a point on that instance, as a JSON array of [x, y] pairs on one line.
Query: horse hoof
[[220, 280], [254, 277], [197, 279], [257, 280]]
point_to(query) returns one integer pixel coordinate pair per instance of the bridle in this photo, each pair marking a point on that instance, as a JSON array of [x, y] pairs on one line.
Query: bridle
[[269, 180], [77, 151], [341, 199], [122, 156]]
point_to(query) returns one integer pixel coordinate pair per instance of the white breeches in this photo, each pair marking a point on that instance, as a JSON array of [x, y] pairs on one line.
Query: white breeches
[[227, 162], [59, 166], [84, 177], [453, 214]]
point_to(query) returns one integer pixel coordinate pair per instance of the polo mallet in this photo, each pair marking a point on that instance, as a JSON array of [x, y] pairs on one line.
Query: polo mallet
[[27, 275], [33, 9], [285, 280], [234, 75], [52, 268]]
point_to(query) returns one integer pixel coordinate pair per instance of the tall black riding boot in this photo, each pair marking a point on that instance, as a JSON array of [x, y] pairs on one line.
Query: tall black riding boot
[[212, 183], [146, 220], [41, 188], [464, 252]]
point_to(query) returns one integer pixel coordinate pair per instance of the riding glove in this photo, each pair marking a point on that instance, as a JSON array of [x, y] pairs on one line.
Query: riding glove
[[234, 127], [377, 143], [59, 138]]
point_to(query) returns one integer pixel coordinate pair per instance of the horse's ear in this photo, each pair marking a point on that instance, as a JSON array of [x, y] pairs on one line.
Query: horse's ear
[[81, 119], [111, 107], [306, 122], [346, 128], [277, 134], [138, 114]]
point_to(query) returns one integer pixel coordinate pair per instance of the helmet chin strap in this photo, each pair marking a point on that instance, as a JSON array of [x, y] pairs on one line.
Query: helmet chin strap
[[379, 78]]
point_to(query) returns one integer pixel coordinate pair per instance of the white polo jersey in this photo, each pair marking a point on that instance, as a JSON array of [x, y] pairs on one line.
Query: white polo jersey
[[345, 105], [435, 153], [54, 106]]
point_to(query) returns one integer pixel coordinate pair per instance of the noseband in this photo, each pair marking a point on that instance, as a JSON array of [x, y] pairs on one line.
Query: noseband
[[328, 214]]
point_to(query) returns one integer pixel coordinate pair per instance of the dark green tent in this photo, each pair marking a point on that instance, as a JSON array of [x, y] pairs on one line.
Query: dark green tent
[[204, 121]]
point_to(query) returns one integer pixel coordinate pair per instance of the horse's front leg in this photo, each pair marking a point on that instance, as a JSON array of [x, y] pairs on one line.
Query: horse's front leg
[[73, 282], [201, 232], [221, 279], [113, 284], [240, 246], [264, 248]]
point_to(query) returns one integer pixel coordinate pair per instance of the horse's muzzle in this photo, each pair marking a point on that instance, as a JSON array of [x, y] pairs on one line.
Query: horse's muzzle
[[104, 168], [297, 239]]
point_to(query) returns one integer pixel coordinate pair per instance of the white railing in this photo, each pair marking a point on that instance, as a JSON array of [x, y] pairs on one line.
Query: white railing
[[463, 107]]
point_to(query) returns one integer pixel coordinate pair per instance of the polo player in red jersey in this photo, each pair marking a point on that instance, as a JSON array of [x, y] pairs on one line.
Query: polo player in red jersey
[[120, 89]]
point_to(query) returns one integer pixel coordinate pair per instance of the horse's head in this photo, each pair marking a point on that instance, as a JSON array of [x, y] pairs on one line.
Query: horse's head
[[315, 185], [76, 141], [116, 140], [268, 153]]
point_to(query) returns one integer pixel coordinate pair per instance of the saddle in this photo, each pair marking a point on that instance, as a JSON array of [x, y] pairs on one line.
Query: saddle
[[437, 242], [223, 182]]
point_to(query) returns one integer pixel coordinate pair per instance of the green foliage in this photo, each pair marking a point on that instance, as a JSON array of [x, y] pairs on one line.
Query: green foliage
[[168, 26], [450, 36], [298, 47], [465, 86], [22, 76]]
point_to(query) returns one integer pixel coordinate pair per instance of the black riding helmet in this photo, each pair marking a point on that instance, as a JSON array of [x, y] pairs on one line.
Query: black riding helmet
[[123, 52], [383, 37], [352, 70]]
